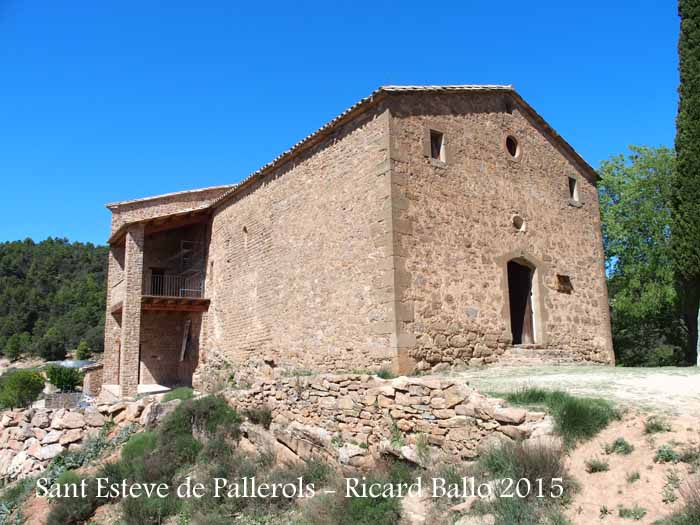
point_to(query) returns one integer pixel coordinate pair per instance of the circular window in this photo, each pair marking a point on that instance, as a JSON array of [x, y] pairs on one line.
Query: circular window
[[512, 146], [518, 223]]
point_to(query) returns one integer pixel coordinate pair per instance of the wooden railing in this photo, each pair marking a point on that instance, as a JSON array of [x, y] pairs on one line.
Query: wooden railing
[[174, 285]]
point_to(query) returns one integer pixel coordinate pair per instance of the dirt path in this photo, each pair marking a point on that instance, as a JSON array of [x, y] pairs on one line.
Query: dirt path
[[670, 390]]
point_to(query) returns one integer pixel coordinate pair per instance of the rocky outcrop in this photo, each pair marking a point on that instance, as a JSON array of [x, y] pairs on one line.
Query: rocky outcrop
[[360, 416]]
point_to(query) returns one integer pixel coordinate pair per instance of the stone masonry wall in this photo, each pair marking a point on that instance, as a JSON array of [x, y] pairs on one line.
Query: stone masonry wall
[[164, 205], [374, 415], [457, 233], [30, 439], [300, 268], [161, 344]]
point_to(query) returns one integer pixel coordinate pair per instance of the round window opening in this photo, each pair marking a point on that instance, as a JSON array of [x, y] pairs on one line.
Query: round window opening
[[518, 223], [512, 146]]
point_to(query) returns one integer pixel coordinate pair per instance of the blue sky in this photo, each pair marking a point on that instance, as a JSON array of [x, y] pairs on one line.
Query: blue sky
[[106, 101]]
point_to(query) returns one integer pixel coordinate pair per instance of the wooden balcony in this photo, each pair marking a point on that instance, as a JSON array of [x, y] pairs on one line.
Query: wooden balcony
[[190, 286], [182, 293], [175, 293]]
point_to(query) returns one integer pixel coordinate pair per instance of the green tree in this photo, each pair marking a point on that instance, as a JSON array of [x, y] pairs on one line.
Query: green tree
[[17, 345], [635, 202], [52, 283], [83, 351], [52, 346], [686, 195], [19, 388]]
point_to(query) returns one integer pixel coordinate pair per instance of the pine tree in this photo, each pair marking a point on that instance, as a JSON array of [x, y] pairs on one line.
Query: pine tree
[[686, 198]]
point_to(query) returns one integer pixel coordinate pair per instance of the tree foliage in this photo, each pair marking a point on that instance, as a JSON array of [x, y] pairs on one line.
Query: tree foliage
[[686, 185], [19, 388], [65, 379], [635, 200], [52, 296]]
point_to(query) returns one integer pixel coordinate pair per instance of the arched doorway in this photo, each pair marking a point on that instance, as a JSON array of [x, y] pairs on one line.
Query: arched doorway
[[522, 305]]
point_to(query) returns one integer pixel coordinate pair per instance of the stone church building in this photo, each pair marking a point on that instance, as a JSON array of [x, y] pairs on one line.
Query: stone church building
[[423, 228]]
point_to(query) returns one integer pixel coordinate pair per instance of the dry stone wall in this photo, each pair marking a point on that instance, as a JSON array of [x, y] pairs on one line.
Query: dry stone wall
[[364, 415], [30, 439]]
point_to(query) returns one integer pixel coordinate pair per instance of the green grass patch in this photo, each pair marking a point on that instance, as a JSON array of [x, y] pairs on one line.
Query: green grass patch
[[183, 393], [635, 513], [576, 418], [540, 463]]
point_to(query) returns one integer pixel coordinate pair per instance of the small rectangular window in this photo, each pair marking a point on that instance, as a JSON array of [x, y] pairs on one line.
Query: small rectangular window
[[573, 188], [564, 284], [437, 145]]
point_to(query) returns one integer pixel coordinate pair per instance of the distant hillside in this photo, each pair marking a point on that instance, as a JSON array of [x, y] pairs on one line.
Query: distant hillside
[[52, 297]]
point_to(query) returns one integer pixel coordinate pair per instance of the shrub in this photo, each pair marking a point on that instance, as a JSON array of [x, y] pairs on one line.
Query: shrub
[[576, 418], [397, 439], [689, 514], [259, 416], [655, 424], [70, 510], [135, 454], [690, 455], [691, 500], [183, 393], [83, 351], [385, 373], [619, 446], [140, 511], [633, 477], [65, 379], [666, 454], [20, 388], [597, 465], [203, 415], [11, 497]]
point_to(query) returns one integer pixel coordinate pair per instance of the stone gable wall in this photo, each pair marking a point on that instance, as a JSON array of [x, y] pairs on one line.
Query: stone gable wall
[[166, 205], [457, 233]]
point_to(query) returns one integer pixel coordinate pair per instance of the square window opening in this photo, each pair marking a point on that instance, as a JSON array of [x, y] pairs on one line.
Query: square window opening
[[564, 284], [573, 188], [437, 145]]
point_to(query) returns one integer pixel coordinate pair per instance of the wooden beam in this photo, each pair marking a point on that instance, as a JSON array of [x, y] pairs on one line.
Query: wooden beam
[[147, 307]]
